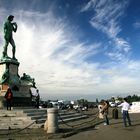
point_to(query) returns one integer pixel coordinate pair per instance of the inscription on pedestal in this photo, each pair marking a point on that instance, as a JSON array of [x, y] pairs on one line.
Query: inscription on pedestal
[[13, 69]]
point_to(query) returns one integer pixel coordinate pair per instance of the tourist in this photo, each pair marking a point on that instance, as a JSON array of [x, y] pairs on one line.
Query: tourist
[[100, 108], [125, 107], [9, 97], [105, 112], [37, 98]]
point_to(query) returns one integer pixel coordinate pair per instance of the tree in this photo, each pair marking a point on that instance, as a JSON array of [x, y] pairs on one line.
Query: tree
[[82, 102]]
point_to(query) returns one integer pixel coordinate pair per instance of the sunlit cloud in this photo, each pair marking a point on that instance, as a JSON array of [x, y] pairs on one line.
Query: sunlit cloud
[[57, 59]]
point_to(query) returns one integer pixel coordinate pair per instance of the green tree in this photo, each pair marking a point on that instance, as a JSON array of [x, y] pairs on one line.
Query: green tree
[[82, 102]]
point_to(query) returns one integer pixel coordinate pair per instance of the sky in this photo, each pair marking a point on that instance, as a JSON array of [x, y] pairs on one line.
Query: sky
[[77, 48]]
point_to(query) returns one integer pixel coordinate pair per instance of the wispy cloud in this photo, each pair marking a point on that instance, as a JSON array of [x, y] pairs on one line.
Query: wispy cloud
[[49, 50], [107, 19], [136, 25], [107, 15]]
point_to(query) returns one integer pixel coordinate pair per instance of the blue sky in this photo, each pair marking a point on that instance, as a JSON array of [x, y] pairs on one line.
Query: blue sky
[[77, 48]]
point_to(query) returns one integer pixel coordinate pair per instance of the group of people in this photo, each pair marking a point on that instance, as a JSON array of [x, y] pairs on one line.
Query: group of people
[[103, 111], [9, 98], [103, 107]]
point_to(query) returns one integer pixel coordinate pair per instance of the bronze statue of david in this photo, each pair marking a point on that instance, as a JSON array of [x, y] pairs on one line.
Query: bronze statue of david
[[9, 27]]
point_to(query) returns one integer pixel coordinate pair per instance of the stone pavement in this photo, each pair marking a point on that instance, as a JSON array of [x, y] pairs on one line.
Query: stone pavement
[[115, 131]]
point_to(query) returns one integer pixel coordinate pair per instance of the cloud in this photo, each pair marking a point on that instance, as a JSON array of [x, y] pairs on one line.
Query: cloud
[[106, 18], [52, 54], [49, 50], [107, 14], [136, 25]]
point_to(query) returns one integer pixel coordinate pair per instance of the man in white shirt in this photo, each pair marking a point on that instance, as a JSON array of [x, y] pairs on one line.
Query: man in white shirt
[[125, 107]]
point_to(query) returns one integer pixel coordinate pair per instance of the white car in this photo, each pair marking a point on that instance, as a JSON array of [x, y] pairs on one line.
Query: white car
[[112, 104], [76, 106]]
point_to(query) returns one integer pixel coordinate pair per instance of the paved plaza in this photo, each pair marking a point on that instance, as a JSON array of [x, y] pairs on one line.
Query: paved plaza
[[115, 131]]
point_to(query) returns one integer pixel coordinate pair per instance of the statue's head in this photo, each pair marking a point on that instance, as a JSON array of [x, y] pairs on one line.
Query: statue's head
[[10, 17]]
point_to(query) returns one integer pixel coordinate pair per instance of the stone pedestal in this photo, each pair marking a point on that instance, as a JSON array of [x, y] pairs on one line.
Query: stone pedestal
[[9, 72], [52, 122], [9, 77]]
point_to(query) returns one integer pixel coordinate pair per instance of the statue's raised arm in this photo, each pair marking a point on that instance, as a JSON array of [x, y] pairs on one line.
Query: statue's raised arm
[[14, 26], [9, 27]]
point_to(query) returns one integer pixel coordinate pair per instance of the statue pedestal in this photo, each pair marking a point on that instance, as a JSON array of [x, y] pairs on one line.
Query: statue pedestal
[[9, 72], [10, 78]]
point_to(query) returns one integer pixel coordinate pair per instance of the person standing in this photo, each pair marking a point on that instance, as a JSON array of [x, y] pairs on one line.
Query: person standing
[[100, 108], [9, 97], [125, 107], [105, 112], [37, 98]]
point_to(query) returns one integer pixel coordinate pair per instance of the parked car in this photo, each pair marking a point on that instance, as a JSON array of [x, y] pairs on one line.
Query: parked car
[[80, 107], [112, 104], [76, 106]]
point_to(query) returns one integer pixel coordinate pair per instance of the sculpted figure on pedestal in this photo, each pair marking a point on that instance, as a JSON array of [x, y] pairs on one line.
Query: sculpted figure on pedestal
[[9, 27]]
